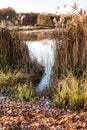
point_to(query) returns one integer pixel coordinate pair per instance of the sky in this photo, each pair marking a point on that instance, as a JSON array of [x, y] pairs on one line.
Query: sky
[[42, 6]]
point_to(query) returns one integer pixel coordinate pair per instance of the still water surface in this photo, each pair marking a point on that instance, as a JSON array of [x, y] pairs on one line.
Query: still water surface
[[43, 51]]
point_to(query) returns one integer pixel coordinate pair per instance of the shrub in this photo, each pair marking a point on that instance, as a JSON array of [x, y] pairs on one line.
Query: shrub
[[7, 14], [44, 20]]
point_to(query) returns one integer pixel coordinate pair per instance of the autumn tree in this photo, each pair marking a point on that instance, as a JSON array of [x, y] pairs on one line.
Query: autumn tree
[[7, 14], [44, 20], [30, 18]]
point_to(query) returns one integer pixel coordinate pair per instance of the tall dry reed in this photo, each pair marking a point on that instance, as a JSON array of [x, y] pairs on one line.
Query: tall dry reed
[[15, 54], [71, 52]]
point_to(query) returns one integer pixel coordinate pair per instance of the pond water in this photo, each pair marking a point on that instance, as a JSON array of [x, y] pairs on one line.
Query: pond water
[[43, 52], [46, 47]]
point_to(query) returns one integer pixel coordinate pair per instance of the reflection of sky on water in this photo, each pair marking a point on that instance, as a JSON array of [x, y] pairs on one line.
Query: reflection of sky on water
[[43, 51]]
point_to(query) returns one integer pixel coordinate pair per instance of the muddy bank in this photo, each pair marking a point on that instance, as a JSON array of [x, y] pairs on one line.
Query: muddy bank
[[38, 35], [27, 28]]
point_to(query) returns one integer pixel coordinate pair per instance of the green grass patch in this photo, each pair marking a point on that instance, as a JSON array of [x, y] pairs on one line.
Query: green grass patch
[[71, 92], [16, 85]]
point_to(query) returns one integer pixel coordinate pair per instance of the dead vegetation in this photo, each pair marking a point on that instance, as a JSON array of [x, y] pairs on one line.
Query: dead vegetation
[[14, 54], [71, 59], [39, 115]]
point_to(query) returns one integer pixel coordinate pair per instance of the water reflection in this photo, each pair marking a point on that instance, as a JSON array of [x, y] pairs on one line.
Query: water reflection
[[43, 51]]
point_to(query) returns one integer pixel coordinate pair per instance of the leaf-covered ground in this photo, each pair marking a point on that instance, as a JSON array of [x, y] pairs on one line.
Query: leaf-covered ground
[[38, 115]]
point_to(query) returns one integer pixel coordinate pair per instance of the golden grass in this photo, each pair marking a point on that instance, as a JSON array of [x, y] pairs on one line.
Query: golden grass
[[71, 92], [16, 85]]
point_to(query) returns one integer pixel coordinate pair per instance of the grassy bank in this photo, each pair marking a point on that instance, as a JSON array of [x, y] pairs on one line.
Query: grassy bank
[[71, 92], [18, 73]]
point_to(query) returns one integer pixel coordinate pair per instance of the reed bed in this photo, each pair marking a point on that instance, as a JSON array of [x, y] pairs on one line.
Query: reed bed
[[70, 84], [19, 75], [71, 51]]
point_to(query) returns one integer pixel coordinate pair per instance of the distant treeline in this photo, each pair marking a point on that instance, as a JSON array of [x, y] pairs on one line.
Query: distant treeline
[[33, 19]]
